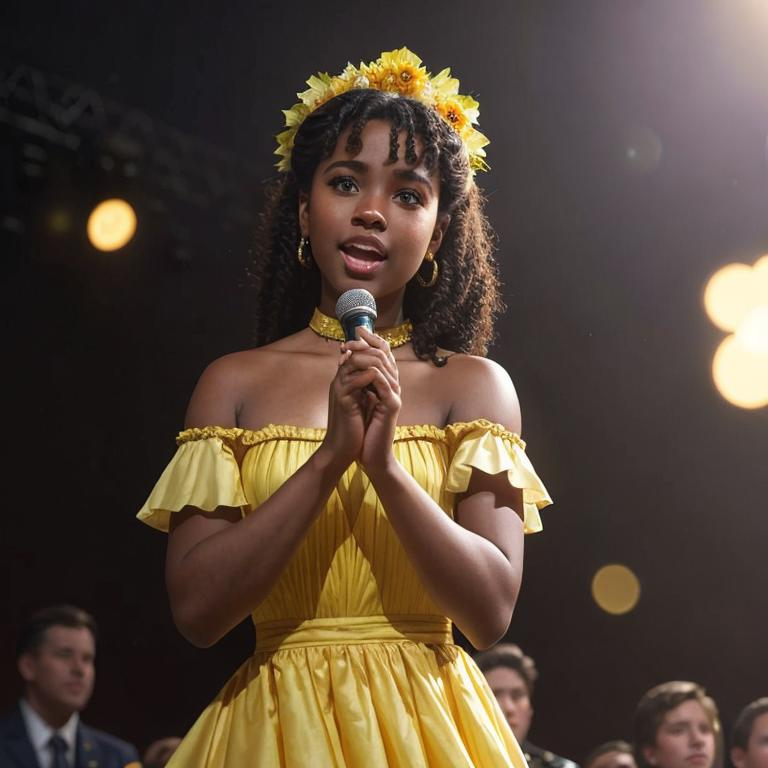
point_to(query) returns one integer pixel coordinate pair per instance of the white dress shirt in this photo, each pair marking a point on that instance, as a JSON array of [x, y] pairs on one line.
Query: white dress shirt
[[40, 735]]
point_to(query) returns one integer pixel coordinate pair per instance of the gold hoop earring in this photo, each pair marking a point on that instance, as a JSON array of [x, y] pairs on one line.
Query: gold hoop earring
[[430, 259], [304, 259]]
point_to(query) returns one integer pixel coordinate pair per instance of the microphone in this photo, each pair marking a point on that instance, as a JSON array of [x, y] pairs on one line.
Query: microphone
[[356, 307]]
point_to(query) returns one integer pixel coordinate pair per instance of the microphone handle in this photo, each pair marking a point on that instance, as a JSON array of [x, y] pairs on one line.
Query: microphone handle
[[351, 323]]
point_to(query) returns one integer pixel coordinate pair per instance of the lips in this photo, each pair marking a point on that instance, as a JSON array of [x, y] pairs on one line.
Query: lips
[[363, 255]]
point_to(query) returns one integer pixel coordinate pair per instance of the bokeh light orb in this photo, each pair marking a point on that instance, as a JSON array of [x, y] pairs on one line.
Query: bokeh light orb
[[616, 589], [642, 149], [111, 225], [734, 291], [741, 375], [752, 333], [731, 294]]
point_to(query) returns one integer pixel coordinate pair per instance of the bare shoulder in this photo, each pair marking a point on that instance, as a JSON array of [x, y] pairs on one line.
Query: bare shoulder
[[482, 389], [218, 395]]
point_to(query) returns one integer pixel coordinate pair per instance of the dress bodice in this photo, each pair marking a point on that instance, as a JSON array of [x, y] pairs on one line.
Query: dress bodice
[[351, 562]]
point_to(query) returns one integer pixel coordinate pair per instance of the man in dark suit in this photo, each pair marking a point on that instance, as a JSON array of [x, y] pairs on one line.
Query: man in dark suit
[[511, 675], [55, 657]]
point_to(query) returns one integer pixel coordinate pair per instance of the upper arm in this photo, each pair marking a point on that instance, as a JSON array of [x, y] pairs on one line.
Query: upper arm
[[217, 396], [490, 506], [214, 402], [484, 391]]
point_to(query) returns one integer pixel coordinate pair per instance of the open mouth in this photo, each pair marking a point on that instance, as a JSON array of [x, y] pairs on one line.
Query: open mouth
[[362, 258]]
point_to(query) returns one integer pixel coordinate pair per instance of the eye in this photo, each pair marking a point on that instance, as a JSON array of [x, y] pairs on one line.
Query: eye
[[344, 184], [409, 197]]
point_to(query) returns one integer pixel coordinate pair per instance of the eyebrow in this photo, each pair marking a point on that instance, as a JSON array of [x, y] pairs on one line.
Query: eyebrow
[[406, 174]]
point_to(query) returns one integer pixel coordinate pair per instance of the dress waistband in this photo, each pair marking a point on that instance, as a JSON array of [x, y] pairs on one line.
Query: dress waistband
[[352, 630]]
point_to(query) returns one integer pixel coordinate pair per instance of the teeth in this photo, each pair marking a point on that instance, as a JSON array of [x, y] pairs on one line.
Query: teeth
[[363, 252], [361, 247]]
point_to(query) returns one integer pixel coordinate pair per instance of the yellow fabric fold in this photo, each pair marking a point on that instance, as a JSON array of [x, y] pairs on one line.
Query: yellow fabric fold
[[204, 474], [492, 449], [352, 630]]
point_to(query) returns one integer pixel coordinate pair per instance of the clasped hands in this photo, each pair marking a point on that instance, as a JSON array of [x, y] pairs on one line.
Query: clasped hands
[[364, 403]]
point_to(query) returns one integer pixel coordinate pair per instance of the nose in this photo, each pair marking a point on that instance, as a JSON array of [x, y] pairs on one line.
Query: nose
[[78, 667], [507, 705], [697, 738], [369, 213]]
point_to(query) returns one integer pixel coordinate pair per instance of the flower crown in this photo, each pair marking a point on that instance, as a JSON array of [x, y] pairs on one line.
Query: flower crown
[[400, 72]]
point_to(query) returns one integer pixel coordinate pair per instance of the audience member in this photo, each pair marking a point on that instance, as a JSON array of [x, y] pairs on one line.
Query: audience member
[[749, 738], [676, 725], [159, 752], [611, 754], [55, 657], [511, 675]]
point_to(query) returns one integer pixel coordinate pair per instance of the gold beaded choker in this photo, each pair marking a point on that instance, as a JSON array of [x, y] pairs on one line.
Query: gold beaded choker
[[330, 328]]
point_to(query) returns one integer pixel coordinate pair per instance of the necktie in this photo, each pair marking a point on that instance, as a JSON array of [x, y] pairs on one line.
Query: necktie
[[59, 748]]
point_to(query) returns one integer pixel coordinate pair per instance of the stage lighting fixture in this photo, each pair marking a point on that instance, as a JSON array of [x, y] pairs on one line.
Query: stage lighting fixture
[[616, 589], [111, 225]]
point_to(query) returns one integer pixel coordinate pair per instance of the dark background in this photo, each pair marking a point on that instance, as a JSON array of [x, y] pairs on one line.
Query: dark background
[[605, 255]]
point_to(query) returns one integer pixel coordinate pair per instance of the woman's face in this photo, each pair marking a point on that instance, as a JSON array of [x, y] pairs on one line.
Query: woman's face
[[685, 739], [370, 222]]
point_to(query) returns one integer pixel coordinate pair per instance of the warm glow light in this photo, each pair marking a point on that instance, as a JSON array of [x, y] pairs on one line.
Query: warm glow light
[[740, 374], [616, 589], [111, 225], [752, 333], [728, 297], [736, 300]]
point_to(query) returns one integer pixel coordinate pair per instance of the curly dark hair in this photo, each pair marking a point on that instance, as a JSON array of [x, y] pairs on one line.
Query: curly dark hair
[[459, 312]]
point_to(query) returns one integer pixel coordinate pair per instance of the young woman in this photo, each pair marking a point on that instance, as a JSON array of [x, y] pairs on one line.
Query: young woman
[[356, 497], [676, 725]]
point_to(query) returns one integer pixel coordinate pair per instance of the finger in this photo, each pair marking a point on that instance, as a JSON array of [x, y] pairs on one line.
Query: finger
[[383, 354], [373, 339], [356, 345], [376, 379], [362, 362], [377, 342]]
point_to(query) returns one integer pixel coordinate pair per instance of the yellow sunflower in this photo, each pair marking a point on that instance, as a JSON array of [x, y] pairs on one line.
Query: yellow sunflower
[[399, 71], [452, 112]]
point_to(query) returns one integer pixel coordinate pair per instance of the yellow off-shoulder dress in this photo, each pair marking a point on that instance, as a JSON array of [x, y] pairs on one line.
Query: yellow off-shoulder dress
[[354, 664]]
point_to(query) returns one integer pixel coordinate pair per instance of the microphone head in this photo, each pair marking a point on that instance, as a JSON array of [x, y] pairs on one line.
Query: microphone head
[[353, 302]]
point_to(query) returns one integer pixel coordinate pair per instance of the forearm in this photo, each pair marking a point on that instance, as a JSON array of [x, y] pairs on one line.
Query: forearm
[[220, 579], [468, 576]]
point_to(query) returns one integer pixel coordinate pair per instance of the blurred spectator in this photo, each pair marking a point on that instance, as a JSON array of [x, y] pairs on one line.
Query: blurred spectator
[[511, 675], [159, 752], [676, 725], [749, 738], [55, 657], [612, 754]]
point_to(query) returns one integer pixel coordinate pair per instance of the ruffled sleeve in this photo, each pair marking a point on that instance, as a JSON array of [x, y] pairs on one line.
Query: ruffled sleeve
[[493, 449], [203, 473]]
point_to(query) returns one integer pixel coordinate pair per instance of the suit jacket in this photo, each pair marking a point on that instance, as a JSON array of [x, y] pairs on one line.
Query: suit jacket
[[94, 749], [536, 757]]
